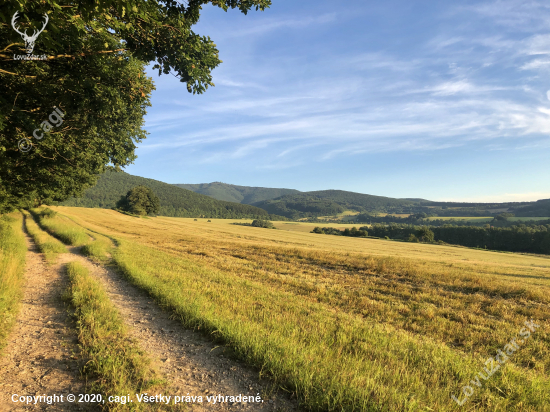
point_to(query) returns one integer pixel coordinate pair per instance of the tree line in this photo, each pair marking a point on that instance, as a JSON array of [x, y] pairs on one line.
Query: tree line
[[523, 238]]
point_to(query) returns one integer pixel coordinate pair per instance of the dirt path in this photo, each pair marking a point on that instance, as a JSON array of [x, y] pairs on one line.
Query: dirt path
[[39, 358], [192, 364]]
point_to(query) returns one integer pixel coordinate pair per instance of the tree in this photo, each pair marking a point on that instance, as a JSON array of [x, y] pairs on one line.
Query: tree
[[502, 217], [94, 74], [425, 234], [141, 201]]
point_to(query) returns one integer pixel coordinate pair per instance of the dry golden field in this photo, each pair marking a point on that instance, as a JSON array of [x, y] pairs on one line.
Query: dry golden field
[[349, 323]]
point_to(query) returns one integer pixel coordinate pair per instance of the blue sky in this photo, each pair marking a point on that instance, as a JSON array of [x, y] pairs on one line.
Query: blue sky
[[436, 99]]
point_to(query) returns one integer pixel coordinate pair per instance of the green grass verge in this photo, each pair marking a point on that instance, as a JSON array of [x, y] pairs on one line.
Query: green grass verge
[[334, 361], [62, 228], [99, 248], [93, 245], [116, 364], [12, 264], [48, 245]]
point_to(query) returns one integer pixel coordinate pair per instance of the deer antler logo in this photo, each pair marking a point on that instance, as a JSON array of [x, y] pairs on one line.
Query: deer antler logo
[[29, 40]]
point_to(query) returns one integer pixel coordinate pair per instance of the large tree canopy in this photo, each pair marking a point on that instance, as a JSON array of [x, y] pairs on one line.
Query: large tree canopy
[[96, 52], [140, 200]]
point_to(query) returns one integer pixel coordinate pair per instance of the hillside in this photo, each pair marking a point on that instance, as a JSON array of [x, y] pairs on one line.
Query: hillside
[[540, 208], [234, 193], [331, 202], [175, 201], [232, 201]]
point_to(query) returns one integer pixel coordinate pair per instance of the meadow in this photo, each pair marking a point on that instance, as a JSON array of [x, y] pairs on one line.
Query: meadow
[[347, 324]]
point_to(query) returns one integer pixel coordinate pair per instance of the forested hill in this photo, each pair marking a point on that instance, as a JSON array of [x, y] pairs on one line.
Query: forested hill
[[233, 193], [332, 202], [538, 208], [175, 201]]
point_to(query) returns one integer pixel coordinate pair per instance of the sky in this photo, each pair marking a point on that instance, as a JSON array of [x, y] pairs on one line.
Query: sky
[[441, 100]]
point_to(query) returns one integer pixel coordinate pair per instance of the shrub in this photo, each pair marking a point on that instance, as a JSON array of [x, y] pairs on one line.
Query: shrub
[[412, 238], [262, 223], [47, 212]]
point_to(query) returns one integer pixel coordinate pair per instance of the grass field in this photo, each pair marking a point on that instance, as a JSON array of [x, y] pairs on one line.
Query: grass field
[[306, 227], [348, 324], [12, 262], [344, 216], [525, 219]]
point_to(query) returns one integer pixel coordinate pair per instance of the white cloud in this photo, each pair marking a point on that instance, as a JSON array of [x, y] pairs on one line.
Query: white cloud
[[450, 88], [269, 25], [536, 64], [448, 92]]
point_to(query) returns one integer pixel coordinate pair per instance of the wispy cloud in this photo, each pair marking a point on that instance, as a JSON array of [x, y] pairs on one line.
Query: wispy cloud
[[270, 25], [319, 87]]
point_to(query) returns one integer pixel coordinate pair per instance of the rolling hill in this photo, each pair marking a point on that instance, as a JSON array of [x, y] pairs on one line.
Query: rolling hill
[[239, 194], [332, 202], [232, 201], [539, 208], [175, 201]]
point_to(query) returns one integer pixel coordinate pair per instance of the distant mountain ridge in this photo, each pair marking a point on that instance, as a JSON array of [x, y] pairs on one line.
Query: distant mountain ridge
[[174, 201], [295, 204], [224, 200], [333, 202], [234, 193]]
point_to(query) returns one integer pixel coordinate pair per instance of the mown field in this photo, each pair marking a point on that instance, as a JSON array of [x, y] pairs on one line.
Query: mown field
[[305, 227], [348, 324]]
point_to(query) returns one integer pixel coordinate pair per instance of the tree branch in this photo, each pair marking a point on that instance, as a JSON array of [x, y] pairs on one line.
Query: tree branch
[[16, 74], [84, 54]]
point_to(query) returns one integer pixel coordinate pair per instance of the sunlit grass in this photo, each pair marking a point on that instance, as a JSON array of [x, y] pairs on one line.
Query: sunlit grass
[[116, 364], [12, 263], [98, 249], [61, 227], [349, 324], [47, 244]]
